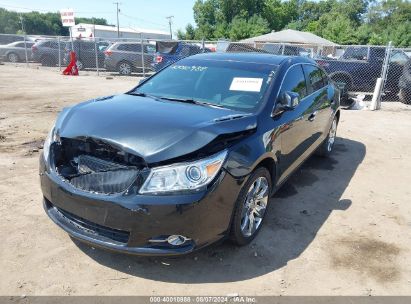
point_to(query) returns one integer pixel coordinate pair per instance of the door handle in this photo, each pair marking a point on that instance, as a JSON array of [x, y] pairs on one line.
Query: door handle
[[313, 116]]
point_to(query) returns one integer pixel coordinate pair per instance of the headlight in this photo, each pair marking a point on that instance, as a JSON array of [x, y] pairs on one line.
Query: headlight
[[183, 176], [47, 144]]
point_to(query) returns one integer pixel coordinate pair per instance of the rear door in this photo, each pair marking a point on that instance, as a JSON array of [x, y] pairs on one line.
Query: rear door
[[320, 93], [297, 131]]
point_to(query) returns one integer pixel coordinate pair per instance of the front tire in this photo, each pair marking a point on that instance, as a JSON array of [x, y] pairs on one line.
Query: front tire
[[327, 146], [251, 207]]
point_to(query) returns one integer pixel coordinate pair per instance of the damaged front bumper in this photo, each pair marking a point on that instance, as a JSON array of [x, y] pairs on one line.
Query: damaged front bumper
[[134, 223]]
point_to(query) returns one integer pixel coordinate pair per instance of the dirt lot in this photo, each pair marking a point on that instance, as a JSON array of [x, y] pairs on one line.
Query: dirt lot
[[338, 227]]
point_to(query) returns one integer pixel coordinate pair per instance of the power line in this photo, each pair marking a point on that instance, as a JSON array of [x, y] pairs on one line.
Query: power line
[[144, 20]]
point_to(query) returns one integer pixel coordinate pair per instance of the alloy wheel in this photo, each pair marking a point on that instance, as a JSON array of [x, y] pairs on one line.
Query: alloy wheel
[[125, 69], [331, 135], [13, 58], [255, 206]]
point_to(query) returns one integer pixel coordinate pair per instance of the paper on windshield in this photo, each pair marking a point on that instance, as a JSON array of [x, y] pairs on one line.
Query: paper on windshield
[[246, 84]]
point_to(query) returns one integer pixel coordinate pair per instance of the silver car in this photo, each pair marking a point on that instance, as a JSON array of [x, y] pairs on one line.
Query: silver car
[[16, 51]]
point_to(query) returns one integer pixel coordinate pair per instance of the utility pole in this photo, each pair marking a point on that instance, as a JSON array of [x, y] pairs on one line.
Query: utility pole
[[118, 24], [170, 21], [22, 23]]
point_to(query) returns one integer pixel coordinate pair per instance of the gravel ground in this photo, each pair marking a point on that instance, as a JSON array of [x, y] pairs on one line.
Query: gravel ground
[[338, 227]]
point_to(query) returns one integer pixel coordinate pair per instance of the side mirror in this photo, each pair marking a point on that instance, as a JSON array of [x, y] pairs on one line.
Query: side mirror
[[289, 100]]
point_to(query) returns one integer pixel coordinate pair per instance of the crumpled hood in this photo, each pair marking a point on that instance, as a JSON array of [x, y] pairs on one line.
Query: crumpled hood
[[153, 129]]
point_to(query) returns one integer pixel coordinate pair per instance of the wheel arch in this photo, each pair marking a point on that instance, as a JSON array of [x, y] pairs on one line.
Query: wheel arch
[[11, 52], [341, 74], [125, 61]]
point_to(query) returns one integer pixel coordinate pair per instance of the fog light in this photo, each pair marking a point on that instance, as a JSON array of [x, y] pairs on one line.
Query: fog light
[[176, 240]]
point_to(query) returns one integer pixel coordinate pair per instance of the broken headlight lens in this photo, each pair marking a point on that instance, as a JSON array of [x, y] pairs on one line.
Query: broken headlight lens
[[47, 144], [183, 176]]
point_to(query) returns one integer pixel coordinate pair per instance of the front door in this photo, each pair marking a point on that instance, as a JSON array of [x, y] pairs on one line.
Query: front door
[[296, 133]]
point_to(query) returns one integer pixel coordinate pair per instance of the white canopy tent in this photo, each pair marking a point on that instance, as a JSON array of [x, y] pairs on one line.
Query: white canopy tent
[[291, 36]]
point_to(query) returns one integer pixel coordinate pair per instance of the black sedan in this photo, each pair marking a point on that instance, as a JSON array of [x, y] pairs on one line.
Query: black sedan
[[188, 157]]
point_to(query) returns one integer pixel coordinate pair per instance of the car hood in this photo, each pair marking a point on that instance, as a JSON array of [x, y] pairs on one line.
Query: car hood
[[155, 130]]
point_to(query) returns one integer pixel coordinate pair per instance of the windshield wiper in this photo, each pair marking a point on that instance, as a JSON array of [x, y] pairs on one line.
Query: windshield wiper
[[192, 101], [143, 95]]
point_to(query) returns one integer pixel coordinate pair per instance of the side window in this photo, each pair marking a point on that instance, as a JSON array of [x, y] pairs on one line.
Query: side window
[[325, 78], [398, 57], [20, 45], [136, 48], [294, 81], [314, 76]]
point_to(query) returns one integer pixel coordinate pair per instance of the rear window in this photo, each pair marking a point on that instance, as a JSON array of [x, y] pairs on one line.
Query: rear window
[[129, 47], [166, 47]]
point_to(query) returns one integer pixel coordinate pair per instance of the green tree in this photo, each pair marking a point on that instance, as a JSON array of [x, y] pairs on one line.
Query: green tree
[[36, 23], [337, 28], [242, 28]]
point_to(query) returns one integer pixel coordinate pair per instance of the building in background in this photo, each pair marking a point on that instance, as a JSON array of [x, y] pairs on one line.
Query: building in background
[[85, 30]]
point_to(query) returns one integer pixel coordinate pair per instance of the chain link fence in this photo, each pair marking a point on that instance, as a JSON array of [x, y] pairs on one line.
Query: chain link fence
[[357, 69]]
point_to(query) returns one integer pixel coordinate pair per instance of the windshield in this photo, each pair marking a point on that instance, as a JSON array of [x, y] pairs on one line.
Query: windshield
[[235, 85]]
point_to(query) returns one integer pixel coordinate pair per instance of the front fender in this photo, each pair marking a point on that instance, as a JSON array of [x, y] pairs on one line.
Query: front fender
[[245, 156]]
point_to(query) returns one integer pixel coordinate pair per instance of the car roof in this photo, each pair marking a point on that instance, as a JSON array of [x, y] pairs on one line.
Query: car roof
[[252, 57]]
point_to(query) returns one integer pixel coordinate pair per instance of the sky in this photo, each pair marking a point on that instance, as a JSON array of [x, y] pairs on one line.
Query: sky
[[133, 13]]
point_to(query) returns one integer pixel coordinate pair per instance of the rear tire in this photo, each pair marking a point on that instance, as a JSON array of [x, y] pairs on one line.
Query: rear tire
[[341, 78], [125, 68], [251, 206], [326, 148], [13, 57], [80, 65], [405, 96]]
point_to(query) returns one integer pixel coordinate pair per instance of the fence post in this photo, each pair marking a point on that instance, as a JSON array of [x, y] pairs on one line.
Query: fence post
[[25, 51], [96, 53], [142, 55], [59, 51], [384, 72]]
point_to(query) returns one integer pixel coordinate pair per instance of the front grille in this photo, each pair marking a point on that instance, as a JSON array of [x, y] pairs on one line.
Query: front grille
[[94, 166], [88, 227]]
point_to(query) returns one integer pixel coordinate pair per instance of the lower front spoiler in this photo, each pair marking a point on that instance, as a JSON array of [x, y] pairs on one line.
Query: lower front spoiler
[[81, 234]]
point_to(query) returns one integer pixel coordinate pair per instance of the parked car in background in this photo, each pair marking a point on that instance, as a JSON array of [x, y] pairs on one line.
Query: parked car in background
[[127, 57], [6, 38], [49, 51], [86, 53], [168, 52], [359, 67], [405, 84], [190, 156], [16, 51], [286, 49]]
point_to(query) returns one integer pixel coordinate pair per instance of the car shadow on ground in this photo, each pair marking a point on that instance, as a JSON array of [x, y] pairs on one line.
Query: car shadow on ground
[[296, 213]]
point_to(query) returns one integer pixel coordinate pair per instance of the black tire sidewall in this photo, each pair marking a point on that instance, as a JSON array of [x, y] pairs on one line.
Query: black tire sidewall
[[236, 235]]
